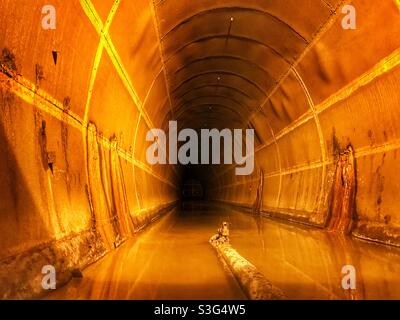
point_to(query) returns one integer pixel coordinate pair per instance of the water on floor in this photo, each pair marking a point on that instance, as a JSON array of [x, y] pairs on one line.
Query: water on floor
[[173, 260], [307, 262]]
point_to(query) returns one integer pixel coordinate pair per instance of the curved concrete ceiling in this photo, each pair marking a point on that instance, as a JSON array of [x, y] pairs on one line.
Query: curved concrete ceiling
[[235, 45]]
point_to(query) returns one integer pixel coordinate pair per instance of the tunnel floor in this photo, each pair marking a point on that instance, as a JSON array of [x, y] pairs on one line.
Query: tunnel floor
[[172, 259]]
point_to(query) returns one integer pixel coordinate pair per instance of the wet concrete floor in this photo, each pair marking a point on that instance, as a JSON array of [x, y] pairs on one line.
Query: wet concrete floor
[[173, 260]]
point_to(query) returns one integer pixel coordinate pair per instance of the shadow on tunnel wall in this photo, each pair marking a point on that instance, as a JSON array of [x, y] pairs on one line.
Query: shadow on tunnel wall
[[33, 233]]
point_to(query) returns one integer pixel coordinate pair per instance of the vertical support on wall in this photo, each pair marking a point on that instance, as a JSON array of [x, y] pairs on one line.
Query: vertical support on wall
[[278, 154], [318, 218], [104, 215], [257, 208], [139, 203], [258, 201], [93, 76], [119, 196]]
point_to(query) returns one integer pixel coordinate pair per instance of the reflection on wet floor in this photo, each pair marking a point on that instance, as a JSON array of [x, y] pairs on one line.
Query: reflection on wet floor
[[173, 260], [170, 260], [306, 262]]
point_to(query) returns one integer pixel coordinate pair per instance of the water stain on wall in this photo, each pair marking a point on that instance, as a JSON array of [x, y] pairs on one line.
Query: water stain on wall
[[342, 208]]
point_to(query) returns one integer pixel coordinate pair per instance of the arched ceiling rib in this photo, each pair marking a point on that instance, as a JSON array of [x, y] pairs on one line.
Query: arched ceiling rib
[[216, 86], [224, 58], [210, 108], [232, 10], [211, 98], [226, 39], [218, 81], [217, 73]]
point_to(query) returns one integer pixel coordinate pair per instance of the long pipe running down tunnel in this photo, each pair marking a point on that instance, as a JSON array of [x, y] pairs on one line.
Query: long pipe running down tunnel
[[84, 83]]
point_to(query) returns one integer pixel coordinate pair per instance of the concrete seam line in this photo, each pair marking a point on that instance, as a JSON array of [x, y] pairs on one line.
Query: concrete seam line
[[97, 60], [321, 138], [133, 167], [358, 153], [93, 76], [112, 52], [255, 285], [40, 99], [384, 66], [322, 30], [161, 49]]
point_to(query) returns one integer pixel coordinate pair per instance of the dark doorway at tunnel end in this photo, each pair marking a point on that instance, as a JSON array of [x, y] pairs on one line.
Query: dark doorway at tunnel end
[[192, 190]]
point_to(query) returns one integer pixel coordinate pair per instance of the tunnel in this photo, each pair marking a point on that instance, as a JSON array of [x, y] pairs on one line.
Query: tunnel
[[85, 84]]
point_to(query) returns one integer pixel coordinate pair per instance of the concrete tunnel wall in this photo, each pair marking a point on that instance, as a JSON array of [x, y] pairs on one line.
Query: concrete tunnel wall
[[342, 90], [74, 178], [68, 195]]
